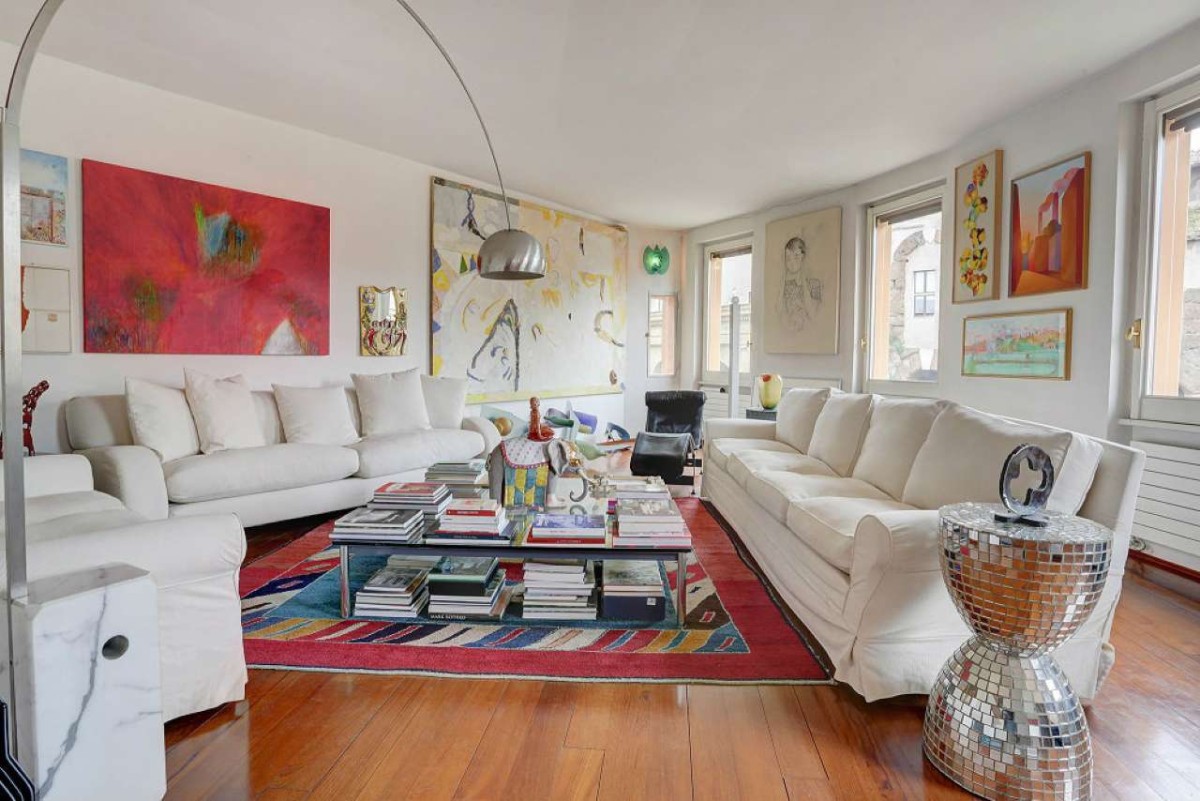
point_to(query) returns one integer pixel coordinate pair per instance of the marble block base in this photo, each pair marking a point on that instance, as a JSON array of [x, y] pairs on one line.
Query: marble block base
[[89, 690]]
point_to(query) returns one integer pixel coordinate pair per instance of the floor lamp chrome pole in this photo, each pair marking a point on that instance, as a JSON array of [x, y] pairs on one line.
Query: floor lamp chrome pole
[[508, 254]]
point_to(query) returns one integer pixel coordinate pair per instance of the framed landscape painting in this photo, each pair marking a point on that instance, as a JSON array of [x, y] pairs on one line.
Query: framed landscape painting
[[43, 198], [977, 227], [1033, 344], [1048, 238], [178, 266]]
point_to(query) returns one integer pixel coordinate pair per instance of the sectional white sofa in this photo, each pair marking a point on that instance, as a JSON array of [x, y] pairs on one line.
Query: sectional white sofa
[[194, 563], [280, 480], [837, 501]]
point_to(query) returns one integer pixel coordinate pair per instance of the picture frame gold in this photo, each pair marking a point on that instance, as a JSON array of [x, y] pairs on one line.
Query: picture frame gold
[[382, 321], [1065, 262], [980, 358]]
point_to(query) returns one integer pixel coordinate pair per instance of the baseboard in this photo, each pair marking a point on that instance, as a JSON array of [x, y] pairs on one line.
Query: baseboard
[[1176, 578]]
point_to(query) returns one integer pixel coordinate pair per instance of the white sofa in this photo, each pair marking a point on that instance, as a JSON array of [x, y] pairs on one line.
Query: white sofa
[[279, 481], [194, 563], [837, 501]]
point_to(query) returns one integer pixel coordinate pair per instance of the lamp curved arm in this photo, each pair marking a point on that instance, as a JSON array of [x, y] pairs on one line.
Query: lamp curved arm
[[37, 29]]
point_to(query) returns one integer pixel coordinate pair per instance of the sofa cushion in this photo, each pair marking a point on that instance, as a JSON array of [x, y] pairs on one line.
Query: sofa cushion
[[224, 412], [44, 508], [743, 464], [247, 471], [317, 415], [399, 453], [774, 490], [839, 430], [445, 400], [898, 429], [719, 450], [797, 414], [160, 419], [962, 458], [827, 525], [391, 403]]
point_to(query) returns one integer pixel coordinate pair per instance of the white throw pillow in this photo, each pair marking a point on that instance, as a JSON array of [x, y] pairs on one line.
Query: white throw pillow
[[315, 415], [445, 400], [391, 403], [966, 449], [224, 412], [898, 429], [160, 419], [839, 430], [797, 414]]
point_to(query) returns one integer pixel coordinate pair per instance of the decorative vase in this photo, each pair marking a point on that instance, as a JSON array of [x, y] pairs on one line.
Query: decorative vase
[[770, 390]]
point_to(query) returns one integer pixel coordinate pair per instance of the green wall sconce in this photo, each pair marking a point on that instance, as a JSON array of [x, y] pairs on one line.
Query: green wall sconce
[[656, 259]]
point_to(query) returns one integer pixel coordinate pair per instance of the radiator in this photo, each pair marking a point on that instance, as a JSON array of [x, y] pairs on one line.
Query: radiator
[[1168, 503]]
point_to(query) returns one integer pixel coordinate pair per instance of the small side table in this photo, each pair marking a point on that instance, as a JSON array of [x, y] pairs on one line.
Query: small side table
[[760, 414], [1002, 720]]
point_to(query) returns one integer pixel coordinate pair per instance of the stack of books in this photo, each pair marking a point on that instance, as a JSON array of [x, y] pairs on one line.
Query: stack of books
[[473, 521], [632, 590], [464, 479], [649, 523], [566, 530], [467, 586], [629, 487], [559, 589], [425, 497], [393, 592], [379, 525]]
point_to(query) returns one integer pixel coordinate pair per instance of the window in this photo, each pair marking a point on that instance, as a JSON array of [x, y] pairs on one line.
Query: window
[[906, 269], [726, 276], [924, 293], [1170, 284], [660, 335]]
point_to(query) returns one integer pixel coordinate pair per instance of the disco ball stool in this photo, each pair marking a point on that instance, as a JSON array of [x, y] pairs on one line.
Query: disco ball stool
[[1002, 720]]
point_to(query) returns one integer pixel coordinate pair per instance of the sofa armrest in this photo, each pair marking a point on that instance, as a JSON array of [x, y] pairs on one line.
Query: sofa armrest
[[486, 429], [892, 547], [133, 475], [54, 474], [177, 551], [737, 427]]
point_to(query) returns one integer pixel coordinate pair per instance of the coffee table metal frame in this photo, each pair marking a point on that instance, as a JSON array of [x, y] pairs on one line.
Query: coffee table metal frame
[[596, 553]]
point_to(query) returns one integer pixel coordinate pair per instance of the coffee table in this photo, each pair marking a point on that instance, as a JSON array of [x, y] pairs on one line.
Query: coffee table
[[598, 553]]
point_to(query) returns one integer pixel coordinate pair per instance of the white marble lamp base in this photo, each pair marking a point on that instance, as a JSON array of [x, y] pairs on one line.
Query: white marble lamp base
[[89, 690]]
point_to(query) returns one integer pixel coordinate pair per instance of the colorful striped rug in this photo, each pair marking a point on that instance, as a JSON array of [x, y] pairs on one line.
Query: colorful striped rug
[[735, 631]]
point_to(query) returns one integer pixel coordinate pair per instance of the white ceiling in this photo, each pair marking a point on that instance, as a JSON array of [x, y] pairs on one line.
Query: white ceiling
[[657, 112]]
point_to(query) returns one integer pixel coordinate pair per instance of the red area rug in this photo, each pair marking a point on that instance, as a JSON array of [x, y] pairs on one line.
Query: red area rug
[[735, 630]]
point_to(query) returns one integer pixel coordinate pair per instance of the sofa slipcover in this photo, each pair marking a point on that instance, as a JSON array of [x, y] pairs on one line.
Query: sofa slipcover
[[414, 450], [827, 525], [743, 464], [721, 449], [245, 471], [774, 490]]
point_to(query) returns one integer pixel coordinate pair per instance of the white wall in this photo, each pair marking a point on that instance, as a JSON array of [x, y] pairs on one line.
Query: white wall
[[1100, 114], [379, 228]]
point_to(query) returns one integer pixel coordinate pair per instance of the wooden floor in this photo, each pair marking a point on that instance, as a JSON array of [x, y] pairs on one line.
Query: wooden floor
[[341, 736]]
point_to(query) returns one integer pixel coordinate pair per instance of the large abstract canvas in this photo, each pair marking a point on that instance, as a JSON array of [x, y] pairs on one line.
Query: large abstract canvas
[[1048, 241], [803, 265], [176, 266], [563, 334], [1018, 345]]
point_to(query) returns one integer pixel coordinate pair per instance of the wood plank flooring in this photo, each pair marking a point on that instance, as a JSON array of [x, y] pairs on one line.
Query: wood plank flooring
[[357, 737]]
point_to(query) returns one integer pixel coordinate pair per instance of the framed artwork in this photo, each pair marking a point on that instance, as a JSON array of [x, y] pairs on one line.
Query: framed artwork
[[1048, 238], [382, 321], [45, 309], [803, 268], [177, 266], [43, 198], [1035, 344], [563, 334], [977, 227]]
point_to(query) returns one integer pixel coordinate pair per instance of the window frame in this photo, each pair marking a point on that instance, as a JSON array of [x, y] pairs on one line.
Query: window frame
[[738, 243], [928, 195], [1145, 406]]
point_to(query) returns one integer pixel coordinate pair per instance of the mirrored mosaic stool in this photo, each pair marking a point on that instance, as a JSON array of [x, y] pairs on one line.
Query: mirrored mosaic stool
[[1002, 721]]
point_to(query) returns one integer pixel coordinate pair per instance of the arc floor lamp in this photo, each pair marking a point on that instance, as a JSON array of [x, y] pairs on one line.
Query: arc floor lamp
[[508, 254]]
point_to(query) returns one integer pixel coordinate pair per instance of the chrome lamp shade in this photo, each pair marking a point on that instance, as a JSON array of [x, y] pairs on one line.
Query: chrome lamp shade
[[512, 255]]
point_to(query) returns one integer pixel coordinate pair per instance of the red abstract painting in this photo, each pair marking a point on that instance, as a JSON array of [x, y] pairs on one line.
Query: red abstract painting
[[178, 266]]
